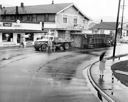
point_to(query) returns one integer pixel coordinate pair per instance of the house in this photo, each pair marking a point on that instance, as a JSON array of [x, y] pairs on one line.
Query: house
[[125, 30], [104, 28], [108, 28], [60, 19]]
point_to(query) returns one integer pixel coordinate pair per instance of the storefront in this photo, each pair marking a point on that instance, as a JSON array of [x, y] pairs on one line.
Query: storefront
[[11, 34]]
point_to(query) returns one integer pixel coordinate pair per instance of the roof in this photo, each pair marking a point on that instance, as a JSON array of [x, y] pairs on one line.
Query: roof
[[39, 9], [105, 26], [47, 8]]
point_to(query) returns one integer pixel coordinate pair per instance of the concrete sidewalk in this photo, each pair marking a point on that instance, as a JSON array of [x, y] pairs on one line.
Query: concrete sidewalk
[[109, 84]]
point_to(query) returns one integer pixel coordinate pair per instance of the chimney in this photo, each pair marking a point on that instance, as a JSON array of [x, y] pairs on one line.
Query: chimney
[[52, 1], [22, 4], [16, 9], [4, 10]]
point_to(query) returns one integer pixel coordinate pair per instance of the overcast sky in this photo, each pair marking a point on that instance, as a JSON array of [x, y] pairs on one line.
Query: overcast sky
[[95, 9]]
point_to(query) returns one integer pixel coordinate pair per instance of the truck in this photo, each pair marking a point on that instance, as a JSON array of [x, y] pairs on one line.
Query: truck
[[98, 40], [41, 44]]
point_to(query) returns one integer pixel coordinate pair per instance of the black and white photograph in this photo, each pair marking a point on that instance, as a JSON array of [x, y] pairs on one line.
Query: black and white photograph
[[63, 50]]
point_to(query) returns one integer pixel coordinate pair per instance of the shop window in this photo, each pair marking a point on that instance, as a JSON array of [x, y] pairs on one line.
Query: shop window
[[7, 37], [29, 36]]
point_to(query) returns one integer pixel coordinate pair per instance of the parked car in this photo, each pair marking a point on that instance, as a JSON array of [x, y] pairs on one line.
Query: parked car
[[124, 40]]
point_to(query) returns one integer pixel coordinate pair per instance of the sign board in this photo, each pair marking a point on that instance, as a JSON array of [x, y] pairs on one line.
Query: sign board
[[21, 26], [5, 24], [17, 25]]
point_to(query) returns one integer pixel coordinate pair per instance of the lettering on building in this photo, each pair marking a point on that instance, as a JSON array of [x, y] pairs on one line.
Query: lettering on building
[[7, 24]]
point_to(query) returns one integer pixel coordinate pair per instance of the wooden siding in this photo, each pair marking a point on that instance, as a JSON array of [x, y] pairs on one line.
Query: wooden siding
[[71, 13]]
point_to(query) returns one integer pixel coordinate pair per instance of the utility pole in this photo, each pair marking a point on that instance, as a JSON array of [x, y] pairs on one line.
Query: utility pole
[[117, 22], [122, 18]]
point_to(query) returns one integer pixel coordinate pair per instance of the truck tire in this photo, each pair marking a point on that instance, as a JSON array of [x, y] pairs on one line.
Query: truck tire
[[61, 48], [43, 47], [66, 46]]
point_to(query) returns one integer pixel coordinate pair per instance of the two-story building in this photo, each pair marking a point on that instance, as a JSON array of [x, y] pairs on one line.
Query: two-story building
[[64, 20]]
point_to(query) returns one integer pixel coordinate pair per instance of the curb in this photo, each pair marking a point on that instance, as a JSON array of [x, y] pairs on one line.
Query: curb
[[100, 92]]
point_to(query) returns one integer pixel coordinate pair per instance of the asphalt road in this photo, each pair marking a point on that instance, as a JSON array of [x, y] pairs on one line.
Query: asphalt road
[[29, 76]]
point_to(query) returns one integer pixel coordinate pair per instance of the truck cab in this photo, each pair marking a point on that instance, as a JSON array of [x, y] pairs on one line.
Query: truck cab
[[41, 43]]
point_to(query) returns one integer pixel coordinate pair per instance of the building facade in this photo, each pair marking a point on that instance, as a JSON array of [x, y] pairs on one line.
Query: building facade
[[12, 33], [60, 19]]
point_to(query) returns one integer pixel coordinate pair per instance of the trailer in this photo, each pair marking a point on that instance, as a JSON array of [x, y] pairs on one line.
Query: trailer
[[98, 40]]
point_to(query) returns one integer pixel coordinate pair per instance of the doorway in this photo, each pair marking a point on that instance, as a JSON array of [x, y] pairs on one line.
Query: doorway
[[18, 38]]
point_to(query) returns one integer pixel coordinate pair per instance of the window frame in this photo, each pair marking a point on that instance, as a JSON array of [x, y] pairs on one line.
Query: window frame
[[7, 39], [65, 19], [75, 21]]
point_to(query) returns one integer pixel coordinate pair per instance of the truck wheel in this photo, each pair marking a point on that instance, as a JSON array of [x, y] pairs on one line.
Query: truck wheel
[[66, 46], [43, 47], [61, 48]]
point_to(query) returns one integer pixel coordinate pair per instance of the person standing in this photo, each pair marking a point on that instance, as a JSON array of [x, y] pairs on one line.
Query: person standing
[[50, 45], [102, 64], [22, 41]]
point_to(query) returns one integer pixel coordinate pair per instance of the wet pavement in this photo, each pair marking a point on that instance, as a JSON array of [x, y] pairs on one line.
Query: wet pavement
[[22, 81], [109, 84], [8, 53]]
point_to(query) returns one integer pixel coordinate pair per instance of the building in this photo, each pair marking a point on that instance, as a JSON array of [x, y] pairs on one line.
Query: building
[[104, 28], [125, 30], [62, 19], [12, 33]]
